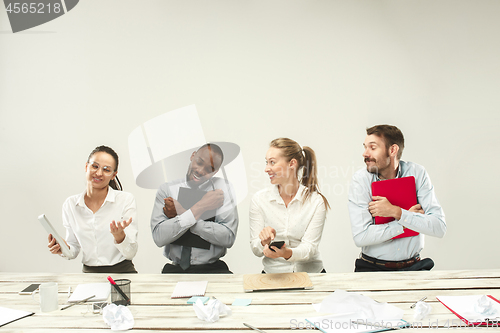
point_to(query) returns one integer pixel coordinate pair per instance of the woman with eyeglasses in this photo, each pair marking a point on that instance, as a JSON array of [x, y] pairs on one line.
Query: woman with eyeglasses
[[101, 221]]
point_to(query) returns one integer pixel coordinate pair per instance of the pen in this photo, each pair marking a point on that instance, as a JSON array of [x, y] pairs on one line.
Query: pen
[[69, 291], [118, 289], [82, 301], [423, 298], [254, 328]]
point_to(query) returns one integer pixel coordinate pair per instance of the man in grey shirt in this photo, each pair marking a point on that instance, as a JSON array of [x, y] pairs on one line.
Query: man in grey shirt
[[383, 148], [195, 219]]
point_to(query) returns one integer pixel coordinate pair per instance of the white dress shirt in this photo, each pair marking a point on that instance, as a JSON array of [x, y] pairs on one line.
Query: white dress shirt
[[300, 225], [90, 232], [376, 240]]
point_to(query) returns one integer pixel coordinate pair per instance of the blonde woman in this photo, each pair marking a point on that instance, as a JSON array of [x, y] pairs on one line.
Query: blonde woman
[[291, 210]]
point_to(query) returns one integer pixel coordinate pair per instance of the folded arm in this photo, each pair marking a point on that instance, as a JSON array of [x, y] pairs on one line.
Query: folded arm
[[166, 230]]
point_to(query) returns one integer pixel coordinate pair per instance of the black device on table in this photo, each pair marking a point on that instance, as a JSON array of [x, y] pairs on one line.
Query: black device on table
[[29, 289]]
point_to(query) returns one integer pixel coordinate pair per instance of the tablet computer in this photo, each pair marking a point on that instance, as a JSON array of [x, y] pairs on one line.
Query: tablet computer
[[50, 229]]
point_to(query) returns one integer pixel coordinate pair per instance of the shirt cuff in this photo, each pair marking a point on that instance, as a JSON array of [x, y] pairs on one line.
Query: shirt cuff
[[406, 218], [124, 244], [186, 219], [258, 245], [396, 228]]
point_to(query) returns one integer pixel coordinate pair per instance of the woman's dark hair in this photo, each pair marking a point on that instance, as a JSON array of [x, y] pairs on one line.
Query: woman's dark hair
[[115, 183]]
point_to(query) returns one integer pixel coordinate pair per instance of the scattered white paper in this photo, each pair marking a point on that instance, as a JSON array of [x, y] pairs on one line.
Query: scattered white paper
[[118, 317], [422, 310], [353, 312], [189, 288], [82, 291], [9, 315], [212, 311], [342, 301], [465, 306]]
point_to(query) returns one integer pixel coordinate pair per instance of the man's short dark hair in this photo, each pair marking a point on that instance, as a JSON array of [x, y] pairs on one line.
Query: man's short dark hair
[[390, 134], [215, 149]]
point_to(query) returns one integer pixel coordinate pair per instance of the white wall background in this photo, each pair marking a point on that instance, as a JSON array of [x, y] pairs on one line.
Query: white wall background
[[319, 72]]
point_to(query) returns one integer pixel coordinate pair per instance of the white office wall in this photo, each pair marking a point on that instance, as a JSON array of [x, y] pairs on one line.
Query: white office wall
[[319, 72]]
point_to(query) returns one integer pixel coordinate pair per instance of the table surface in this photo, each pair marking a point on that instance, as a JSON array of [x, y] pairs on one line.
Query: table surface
[[272, 311]]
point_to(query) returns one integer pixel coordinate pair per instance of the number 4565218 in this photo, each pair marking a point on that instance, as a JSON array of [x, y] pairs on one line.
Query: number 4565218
[[33, 8]]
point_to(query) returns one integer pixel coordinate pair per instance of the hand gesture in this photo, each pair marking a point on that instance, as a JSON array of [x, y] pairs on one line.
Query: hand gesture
[[213, 199], [54, 248], [416, 209], [117, 229], [380, 206], [277, 253], [172, 208], [267, 236]]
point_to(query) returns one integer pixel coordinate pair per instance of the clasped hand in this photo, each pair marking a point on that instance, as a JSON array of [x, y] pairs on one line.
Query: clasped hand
[[380, 206], [172, 208], [210, 201]]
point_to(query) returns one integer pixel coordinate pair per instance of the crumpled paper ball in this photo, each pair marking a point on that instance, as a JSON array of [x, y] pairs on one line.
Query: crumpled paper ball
[[422, 310], [211, 311], [484, 306], [118, 317]]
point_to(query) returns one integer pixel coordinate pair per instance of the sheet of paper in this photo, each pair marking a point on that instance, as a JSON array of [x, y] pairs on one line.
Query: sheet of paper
[[82, 291], [9, 315], [193, 299], [465, 306], [242, 302], [189, 288]]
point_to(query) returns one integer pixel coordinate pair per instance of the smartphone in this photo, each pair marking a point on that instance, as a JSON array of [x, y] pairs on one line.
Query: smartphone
[[29, 289], [278, 244]]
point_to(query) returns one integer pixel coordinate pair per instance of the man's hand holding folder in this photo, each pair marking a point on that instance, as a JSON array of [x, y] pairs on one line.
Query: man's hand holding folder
[[389, 197], [210, 202], [202, 204], [172, 208]]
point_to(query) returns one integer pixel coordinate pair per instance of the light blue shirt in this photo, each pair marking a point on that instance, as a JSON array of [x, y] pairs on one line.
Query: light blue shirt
[[221, 234], [376, 240]]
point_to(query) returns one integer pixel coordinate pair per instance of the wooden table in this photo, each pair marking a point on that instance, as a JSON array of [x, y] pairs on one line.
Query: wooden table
[[153, 309]]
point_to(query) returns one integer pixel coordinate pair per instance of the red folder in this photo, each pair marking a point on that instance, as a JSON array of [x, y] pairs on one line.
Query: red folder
[[400, 192]]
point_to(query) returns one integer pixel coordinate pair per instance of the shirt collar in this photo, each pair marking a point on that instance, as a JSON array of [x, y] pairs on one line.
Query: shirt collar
[[275, 194], [399, 173], [109, 197]]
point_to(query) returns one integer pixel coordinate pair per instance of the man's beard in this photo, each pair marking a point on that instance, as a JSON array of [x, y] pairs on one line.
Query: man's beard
[[375, 168]]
